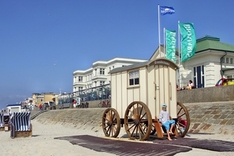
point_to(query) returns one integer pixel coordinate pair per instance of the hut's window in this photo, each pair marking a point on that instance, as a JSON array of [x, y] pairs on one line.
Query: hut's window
[[134, 78]]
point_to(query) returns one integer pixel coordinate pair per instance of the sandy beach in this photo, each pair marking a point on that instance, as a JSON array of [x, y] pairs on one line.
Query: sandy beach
[[42, 143]]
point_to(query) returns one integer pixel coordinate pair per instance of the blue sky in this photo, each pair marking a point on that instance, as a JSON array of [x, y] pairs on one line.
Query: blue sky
[[42, 42]]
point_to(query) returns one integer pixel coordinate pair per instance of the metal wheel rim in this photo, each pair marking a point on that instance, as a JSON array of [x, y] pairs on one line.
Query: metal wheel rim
[[182, 113], [111, 122], [138, 121]]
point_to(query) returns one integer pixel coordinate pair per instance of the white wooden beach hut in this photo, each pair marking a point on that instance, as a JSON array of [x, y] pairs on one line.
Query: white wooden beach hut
[[137, 94]]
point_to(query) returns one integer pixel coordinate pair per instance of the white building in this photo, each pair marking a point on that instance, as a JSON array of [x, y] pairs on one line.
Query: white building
[[98, 74], [213, 60]]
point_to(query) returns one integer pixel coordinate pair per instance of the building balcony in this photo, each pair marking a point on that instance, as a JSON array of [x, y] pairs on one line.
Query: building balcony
[[100, 77], [80, 83]]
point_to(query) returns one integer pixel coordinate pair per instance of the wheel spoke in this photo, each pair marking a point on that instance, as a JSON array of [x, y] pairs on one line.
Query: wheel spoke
[[141, 110], [114, 121], [109, 128], [179, 111], [137, 129], [112, 130], [133, 131], [143, 116], [181, 115], [144, 126], [137, 108], [105, 126], [142, 130], [130, 127], [182, 125]]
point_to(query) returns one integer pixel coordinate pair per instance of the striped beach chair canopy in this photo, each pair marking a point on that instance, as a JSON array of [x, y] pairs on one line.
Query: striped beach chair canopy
[[21, 121]]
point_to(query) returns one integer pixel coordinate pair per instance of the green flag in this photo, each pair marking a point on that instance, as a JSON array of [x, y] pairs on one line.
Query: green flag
[[171, 45], [188, 41]]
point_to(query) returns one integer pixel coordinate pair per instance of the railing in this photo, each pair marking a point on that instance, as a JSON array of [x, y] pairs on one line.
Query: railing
[[90, 94]]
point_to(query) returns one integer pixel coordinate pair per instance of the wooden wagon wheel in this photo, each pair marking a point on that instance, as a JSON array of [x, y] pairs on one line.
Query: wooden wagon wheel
[[183, 120], [111, 122], [138, 121]]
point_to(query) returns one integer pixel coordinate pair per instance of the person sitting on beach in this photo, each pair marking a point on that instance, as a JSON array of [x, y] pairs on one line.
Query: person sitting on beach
[[190, 85], [164, 118]]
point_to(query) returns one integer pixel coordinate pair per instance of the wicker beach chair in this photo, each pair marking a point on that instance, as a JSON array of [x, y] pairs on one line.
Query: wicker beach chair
[[1, 121], [20, 123], [4, 121]]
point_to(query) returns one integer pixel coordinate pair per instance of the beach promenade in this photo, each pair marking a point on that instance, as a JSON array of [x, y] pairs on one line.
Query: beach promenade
[[52, 124]]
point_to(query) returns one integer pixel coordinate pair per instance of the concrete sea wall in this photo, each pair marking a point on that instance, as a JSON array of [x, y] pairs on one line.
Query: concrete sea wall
[[209, 117], [212, 117], [209, 94]]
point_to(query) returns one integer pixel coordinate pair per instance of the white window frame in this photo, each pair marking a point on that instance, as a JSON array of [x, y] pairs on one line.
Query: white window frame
[[80, 79], [195, 76], [231, 60], [134, 78], [102, 83], [102, 71], [227, 60]]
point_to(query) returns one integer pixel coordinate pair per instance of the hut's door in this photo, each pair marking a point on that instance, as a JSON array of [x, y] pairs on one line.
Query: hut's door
[[162, 85]]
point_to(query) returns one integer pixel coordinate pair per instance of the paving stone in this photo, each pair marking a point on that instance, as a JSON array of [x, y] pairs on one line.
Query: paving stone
[[196, 131], [206, 127], [216, 116], [223, 122], [229, 122], [217, 121], [195, 125], [215, 112], [230, 116], [223, 116]]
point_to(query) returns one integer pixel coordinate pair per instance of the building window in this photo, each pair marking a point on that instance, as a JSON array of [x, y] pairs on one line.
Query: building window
[[223, 60], [102, 83], [198, 76], [90, 77], [95, 72], [227, 60], [80, 88], [113, 67], [134, 78], [109, 68], [102, 71], [80, 79], [231, 60]]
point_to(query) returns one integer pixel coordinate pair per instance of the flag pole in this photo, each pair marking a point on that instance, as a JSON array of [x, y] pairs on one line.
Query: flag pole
[[179, 46], [159, 42], [164, 31], [179, 53]]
